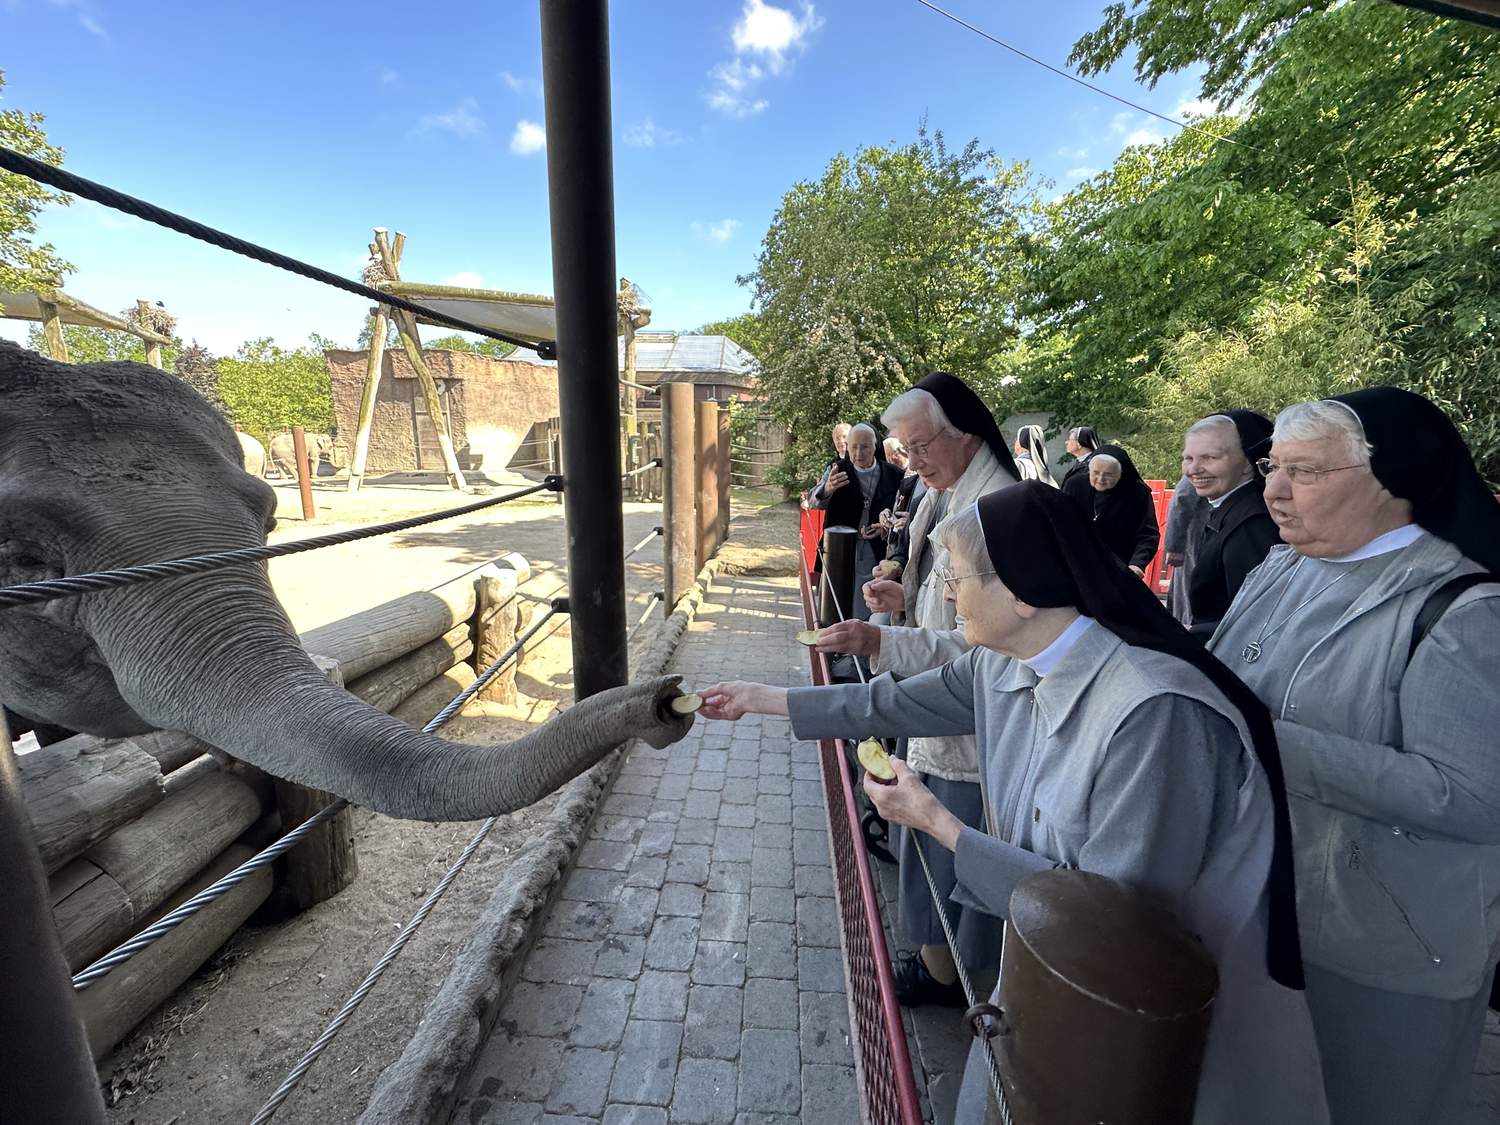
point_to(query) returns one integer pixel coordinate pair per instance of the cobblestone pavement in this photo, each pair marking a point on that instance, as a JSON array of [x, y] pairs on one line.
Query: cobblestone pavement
[[690, 969]]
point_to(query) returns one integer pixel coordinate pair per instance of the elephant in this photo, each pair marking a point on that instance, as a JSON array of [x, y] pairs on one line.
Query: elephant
[[283, 459], [107, 465], [254, 454]]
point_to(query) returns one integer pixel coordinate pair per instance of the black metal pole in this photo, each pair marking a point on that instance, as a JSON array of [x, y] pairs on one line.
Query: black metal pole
[[580, 178]]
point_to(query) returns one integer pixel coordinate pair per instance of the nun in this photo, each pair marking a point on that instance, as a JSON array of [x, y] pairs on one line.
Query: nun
[[1111, 742], [1237, 531], [854, 497], [956, 448], [1082, 442], [1373, 636], [1179, 544], [1031, 455], [1123, 512]]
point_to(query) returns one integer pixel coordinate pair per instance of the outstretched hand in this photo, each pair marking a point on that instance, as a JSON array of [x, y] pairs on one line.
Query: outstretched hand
[[735, 699], [884, 596], [858, 638]]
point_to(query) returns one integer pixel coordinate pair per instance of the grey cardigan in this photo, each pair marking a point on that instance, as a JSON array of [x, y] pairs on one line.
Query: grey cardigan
[[1392, 770]]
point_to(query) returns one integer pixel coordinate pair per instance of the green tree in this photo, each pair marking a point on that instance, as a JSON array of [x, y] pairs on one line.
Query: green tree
[[268, 388], [746, 330], [92, 345], [897, 261], [24, 264], [495, 349]]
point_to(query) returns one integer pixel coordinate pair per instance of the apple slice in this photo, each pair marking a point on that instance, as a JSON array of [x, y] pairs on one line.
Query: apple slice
[[685, 704], [808, 637], [888, 568], [873, 756]]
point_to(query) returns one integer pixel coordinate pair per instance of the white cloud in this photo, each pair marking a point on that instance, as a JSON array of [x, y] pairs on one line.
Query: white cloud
[[462, 120], [773, 32], [388, 77], [765, 37], [467, 279], [1080, 173], [1196, 107], [85, 11], [1145, 136], [526, 87], [721, 231], [1121, 122], [648, 134], [528, 138], [1073, 153]]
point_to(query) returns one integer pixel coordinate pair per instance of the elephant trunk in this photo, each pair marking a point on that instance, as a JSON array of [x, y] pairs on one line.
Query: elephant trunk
[[227, 668]]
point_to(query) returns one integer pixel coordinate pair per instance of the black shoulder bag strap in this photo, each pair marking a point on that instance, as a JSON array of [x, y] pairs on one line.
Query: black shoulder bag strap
[[1432, 610]]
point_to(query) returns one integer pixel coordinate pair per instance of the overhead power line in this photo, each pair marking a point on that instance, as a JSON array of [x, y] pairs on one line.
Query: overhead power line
[[1071, 77]]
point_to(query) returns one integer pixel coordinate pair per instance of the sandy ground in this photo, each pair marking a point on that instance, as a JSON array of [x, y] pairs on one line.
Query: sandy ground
[[223, 1043]]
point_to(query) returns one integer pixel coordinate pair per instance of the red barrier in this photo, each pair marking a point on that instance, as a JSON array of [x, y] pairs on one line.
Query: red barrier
[[812, 535], [882, 1060], [1159, 574]]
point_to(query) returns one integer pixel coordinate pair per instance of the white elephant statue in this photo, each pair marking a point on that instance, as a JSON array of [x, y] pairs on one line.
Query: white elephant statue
[[152, 472]]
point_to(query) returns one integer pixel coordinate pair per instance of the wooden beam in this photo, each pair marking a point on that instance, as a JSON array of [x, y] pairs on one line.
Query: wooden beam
[[83, 788], [52, 332], [153, 347]]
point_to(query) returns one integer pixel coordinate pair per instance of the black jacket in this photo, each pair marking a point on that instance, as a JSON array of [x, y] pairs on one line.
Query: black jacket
[[847, 504], [1232, 542], [1125, 518], [899, 547], [1075, 483]]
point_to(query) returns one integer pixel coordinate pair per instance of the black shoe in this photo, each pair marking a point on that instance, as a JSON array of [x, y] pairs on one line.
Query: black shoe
[[876, 836], [915, 986]]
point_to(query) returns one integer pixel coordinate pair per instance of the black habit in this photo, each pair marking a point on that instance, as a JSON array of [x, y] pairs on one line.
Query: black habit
[[1124, 516], [1232, 541]]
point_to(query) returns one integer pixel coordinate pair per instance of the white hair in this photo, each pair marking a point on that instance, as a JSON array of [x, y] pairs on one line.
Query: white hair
[[917, 405], [863, 428], [1324, 418], [961, 535], [1104, 461], [1211, 423]]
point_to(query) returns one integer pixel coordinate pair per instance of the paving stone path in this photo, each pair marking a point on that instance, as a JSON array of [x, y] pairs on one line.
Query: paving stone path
[[690, 970]]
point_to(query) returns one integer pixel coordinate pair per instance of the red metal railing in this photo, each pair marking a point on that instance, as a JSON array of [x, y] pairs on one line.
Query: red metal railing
[[887, 1085]]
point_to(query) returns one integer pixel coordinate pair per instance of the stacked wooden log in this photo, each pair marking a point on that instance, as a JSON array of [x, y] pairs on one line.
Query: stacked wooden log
[[130, 828]]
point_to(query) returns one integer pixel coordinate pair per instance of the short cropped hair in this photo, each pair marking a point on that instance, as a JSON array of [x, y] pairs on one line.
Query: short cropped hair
[[1324, 418]]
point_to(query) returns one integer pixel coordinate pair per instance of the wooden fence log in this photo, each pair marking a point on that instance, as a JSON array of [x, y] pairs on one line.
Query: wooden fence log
[[111, 1007], [82, 788], [366, 641], [89, 909], [388, 687], [433, 696], [152, 856], [192, 773], [172, 749], [495, 632], [324, 862]]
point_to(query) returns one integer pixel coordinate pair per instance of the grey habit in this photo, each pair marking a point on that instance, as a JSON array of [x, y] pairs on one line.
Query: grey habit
[[1125, 762], [1393, 778], [1185, 518]]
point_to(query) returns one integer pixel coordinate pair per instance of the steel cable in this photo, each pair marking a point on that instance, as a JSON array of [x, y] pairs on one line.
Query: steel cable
[[996, 1085], [78, 584], [42, 172], [655, 531], [169, 922]]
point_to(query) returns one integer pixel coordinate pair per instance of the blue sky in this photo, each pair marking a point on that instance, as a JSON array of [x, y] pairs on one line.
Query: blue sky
[[304, 126]]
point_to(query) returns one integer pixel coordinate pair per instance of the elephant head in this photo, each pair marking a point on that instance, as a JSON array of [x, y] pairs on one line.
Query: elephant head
[[114, 464]]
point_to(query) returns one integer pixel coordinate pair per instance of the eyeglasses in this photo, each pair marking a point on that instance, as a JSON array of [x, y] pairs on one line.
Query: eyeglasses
[[950, 579], [919, 448], [1299, 474]]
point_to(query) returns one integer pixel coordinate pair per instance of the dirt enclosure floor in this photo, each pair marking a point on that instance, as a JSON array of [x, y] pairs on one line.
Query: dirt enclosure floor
[[222, 1044]]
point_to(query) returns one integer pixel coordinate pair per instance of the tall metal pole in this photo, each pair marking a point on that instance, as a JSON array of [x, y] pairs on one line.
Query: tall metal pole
[[580, 179]]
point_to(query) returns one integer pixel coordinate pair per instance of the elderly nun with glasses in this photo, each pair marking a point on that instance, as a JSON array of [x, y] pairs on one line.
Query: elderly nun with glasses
[[1109, 741], [1373, 636]]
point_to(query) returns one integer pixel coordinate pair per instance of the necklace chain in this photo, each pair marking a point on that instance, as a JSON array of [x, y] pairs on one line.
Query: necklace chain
[[1251, 652]]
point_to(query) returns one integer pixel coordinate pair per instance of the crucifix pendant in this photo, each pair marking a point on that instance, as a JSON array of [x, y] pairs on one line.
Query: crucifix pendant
[[1251, 652]]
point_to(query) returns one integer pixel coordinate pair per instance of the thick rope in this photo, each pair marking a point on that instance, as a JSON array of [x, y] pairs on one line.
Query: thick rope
[[996, 1086], [169, 922], [78, 584], [42, 172]]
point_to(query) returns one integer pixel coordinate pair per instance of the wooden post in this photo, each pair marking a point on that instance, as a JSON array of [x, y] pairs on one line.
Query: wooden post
[[324, 863], [495, 632], [723, 471], [52, 331], [45, 1068], [368, 398], [304, 472], [706, 463], [153, 348], [678, 545], [411, 343]]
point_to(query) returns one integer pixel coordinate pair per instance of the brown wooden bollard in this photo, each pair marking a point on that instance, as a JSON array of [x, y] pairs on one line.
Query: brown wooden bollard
[[722, 471], [706, 464], [1107, 1003], [304, 472], [495, 632], [323, 863], [679, 492]]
